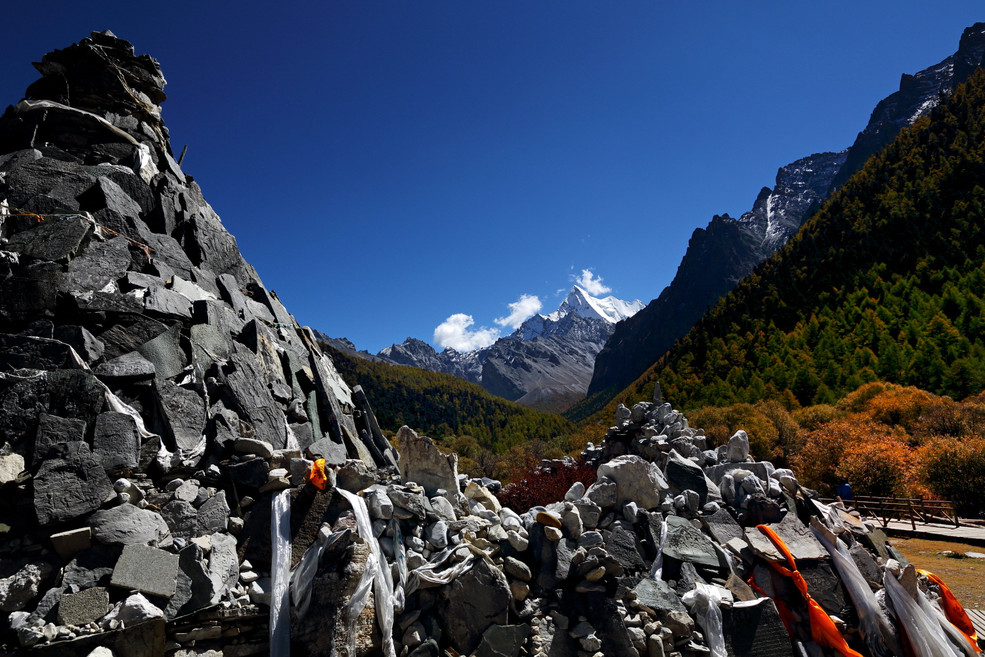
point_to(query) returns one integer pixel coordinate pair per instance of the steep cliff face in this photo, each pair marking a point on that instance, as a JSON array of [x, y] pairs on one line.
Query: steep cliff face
[[717, 257], [728, 249], [917, 94]]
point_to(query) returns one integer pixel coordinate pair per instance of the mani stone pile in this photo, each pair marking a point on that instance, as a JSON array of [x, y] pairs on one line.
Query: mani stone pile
[[151, 388], [183, 472]]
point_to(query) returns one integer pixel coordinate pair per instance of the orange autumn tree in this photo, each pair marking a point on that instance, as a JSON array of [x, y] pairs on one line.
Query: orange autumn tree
[[884, 466], [955, 470], [823, 450]]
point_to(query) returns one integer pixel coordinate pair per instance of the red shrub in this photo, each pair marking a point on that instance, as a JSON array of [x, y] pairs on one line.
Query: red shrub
[[540, 487]]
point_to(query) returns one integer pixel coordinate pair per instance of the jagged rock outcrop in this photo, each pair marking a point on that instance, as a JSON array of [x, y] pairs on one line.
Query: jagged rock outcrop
[[417, 353], [119, 269], [728, 249], [917, 95]]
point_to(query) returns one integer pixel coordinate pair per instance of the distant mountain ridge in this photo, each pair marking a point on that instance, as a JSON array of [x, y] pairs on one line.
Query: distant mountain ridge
[[729, 249], [546, 363]]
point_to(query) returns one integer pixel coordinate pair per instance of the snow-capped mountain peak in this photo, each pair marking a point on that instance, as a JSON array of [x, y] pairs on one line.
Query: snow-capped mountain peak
[[583, 304], [546, 363]]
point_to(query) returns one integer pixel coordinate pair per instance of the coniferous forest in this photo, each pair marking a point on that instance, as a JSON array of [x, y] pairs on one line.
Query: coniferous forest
[[884, 282]]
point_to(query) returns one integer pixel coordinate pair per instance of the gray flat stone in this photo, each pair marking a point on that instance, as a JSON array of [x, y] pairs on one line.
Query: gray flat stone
[[146, 569], [657, 595], [57, 239], [755, 628], [686, 543], [223, 565], [91, 567], [251, 399], [762, 469], [68, 543], [799, 538], [127, 368], [88, 347], [866, 564], [421, 462], [162, 301], [209, 344], [621, 544], [107, 194], [213, 515], [194, 589], [824, 585], [129, 525], [251, 473], [637, 480], [182, 519], [187, 491], [83, 607], [722, 526], [762, 546], [334, 453], [54, 430], [166, 353], [34, 352], [473, 602], [502, 641], [184, 412], [101, 264], [70, 486], [116, 440], [254, 446], [11, 467]]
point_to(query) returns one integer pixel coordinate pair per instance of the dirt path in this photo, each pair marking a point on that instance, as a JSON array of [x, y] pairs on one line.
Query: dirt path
[[965, 577]]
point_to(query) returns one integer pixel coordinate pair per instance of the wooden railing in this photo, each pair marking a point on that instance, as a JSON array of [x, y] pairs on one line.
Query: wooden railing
[[914, 509]]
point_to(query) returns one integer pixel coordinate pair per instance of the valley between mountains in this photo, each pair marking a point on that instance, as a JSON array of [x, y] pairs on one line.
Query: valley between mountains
[[186, 471]]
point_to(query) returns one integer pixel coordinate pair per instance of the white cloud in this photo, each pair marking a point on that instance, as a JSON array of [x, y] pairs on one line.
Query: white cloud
[[521, 309], [592, 283], [454, 332]]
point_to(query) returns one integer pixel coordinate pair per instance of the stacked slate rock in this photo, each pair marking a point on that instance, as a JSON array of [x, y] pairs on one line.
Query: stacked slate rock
[[151, 387]]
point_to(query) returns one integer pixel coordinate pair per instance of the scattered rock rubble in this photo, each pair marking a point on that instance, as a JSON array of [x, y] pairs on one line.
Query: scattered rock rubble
[[162, 414]]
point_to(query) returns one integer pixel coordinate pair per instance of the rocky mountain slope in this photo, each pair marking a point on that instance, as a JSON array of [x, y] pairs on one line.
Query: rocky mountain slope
[[728, 249], [546, 363], [886, 281]]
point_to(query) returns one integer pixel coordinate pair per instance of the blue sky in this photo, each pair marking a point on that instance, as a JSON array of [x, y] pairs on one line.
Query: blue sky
[[386, 166]]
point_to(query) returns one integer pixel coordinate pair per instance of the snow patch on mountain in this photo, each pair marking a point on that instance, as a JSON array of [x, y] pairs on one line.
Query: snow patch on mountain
[[583, 304]]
